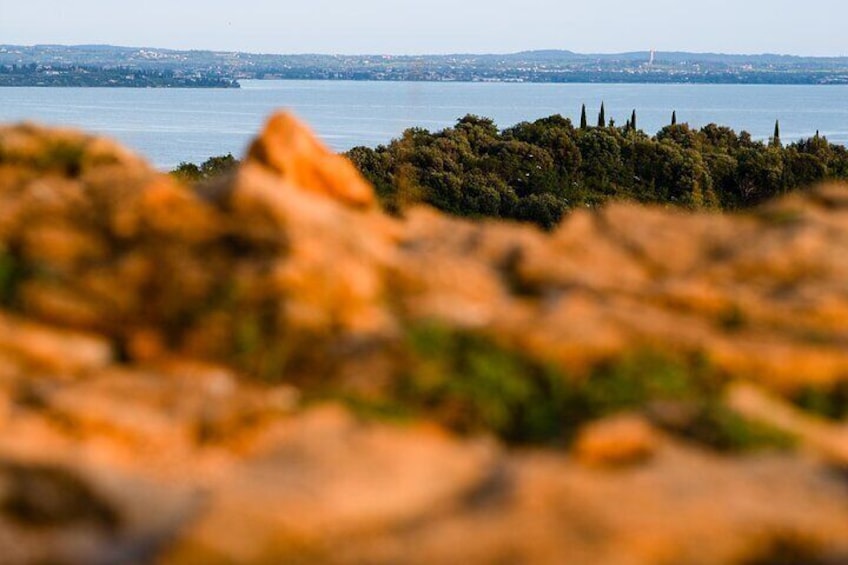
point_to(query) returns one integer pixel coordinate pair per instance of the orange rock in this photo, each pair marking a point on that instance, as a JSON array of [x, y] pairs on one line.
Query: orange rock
[[289, 149], [166, 208], [62, 245], [145, 344], [47, 348], [370, 477], [619, 440]]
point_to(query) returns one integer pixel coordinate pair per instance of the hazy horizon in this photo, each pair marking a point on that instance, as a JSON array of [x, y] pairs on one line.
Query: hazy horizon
[[374, 27], [423, 53]]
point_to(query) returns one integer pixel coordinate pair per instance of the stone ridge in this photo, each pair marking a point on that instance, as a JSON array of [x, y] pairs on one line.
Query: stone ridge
[[163, 347]]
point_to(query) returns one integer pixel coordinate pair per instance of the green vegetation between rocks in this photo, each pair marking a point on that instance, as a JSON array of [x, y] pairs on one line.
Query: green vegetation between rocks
[[60, 155], [10, 277], [792, 549], [828, 402], [63, 156], [472, 384]]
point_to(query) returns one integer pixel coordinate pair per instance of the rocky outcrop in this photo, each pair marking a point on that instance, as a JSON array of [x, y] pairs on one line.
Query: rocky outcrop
[[267, 368]]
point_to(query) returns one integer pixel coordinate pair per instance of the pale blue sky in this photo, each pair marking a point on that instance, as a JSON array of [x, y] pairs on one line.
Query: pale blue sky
[[807, 27]]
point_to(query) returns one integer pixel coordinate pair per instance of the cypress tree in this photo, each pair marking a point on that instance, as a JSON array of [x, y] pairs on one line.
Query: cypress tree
[[674, 117], [583, 123], [633, 120], [602, 118], [776, 139]]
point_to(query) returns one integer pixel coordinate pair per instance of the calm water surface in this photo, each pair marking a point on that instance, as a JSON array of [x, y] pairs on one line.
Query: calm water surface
[[174, 125]]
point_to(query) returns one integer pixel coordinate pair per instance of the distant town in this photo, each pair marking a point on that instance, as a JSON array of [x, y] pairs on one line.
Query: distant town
[[104, 65]]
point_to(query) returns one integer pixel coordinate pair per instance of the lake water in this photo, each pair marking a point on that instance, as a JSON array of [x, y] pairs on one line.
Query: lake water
[[173, 125]]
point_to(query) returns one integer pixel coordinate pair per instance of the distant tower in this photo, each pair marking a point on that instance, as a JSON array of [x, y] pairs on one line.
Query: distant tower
[[653, 56]]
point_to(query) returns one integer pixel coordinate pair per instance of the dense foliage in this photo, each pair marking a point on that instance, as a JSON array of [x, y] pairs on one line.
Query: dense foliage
[[210, 168], [538, 171]]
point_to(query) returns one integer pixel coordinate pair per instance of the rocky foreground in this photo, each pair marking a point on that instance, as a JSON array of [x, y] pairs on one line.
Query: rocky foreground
[[268, 369]]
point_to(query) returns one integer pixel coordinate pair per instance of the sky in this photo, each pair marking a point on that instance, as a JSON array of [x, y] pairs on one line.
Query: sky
[[808, 27]]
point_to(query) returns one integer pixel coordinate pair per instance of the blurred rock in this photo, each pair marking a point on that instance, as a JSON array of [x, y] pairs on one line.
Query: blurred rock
[[619, 440], [289, 149], [242, 371]]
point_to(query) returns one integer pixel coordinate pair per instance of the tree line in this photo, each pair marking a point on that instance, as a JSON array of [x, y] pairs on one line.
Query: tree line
[[537, 171]]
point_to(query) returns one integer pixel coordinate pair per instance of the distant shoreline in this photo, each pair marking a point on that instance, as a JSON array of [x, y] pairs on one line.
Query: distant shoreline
[[103, 65], [139, 86], [236, 84]]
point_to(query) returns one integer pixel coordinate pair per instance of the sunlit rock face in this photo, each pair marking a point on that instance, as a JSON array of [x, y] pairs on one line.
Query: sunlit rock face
[[267, 368]]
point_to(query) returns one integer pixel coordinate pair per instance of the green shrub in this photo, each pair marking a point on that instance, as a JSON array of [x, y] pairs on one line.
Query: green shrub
[[63, 156], [472, 384], [829, 402], [716, 426], [11, 273]]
